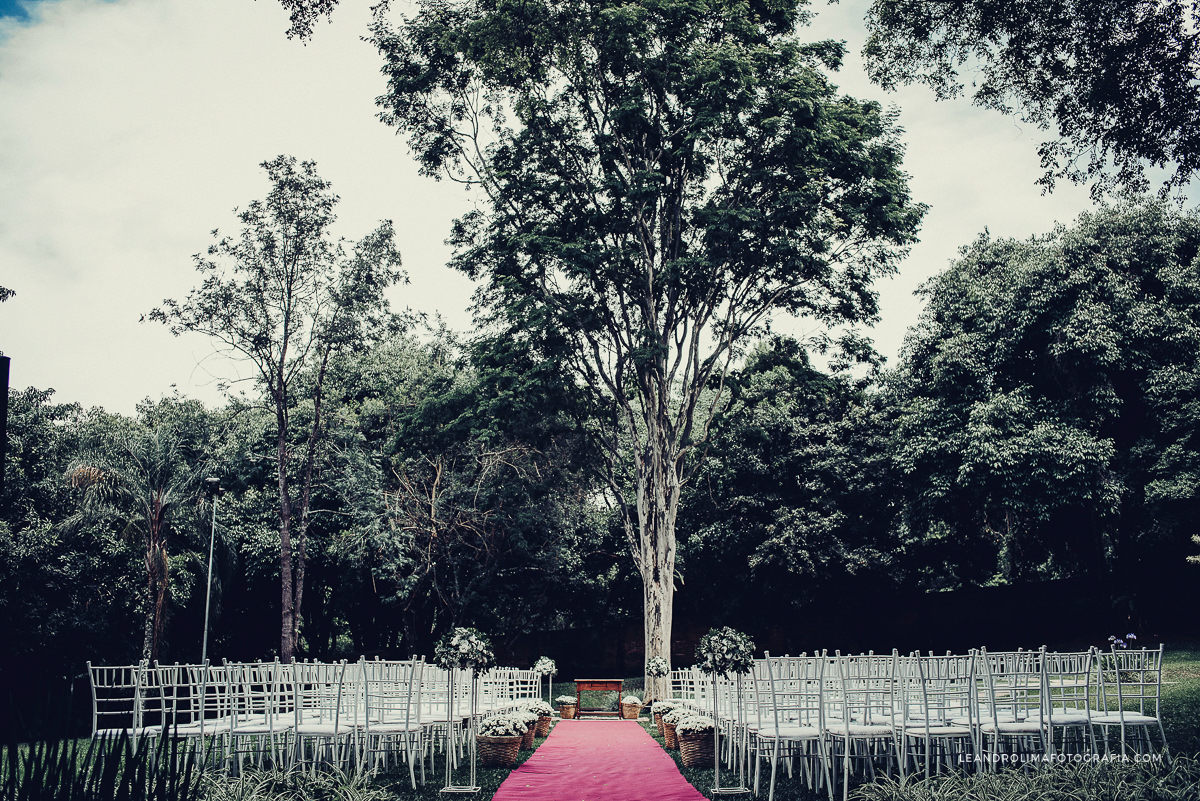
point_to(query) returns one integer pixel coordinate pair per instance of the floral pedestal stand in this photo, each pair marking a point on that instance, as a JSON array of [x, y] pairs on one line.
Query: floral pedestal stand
[[740, 788], [462, 649], [545, 667], [724, 652], [471, 787]]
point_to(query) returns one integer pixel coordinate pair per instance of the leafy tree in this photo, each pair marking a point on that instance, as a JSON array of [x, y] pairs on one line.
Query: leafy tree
[[1116, 81], [65, 595], [659, 178], [458, 496], [286, 296], [1046, 402], [797, 495], [145, 481], [304, 14]]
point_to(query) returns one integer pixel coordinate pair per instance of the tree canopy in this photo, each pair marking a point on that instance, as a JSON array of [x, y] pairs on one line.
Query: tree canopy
[[660, 178], [1116, 82], [1047, 399]]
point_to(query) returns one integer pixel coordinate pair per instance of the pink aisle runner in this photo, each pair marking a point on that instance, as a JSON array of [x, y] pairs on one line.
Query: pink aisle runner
[[598, 760]]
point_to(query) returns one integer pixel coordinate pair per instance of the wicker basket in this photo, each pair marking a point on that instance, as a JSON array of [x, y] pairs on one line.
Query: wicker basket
[[498, 752], [527, 738], [669, 739], [543, 726], [658, 722], [630, 711], [696, 750], [567, 711]]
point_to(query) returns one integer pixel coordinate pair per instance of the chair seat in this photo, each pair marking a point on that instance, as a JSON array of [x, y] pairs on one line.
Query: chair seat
[[323, 729], [1072, 718], [938, 730], [137, 731], [393, 727], [792, 733], [1114, 718], [860, 729], [1012, 727], [261, 727]]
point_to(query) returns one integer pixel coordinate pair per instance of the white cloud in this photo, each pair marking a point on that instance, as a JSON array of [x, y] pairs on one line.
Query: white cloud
[[130, 129]]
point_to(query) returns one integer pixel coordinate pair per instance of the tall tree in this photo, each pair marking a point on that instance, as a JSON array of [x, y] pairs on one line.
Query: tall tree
[[285, 295], [1116, 81], [658, 179]]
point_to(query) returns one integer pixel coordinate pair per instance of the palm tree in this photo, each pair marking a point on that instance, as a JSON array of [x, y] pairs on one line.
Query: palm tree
[[144, 484]]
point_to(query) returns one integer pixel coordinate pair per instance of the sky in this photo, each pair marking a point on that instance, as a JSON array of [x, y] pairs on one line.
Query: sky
[[130, 129]]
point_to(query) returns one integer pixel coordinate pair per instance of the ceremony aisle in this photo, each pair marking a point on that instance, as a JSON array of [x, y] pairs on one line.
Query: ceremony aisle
[[598, 760]]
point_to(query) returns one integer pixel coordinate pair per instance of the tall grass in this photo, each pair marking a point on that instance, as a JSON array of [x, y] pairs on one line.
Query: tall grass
[[1175, 779], [92, 770]]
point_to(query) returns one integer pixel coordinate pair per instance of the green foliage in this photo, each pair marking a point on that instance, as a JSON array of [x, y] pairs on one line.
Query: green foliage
[[660, 179], [797, 494], [1097, 781], [1046, 400], [1115, 81], [142, 481], [69, 770], [287, 297]]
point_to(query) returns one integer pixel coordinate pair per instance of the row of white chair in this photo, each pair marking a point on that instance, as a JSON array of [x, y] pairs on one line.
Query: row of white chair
[[364, 715], [828, 716]]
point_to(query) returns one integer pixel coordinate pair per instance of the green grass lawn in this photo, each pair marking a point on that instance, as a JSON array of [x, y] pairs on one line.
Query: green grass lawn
[[1181, 699]]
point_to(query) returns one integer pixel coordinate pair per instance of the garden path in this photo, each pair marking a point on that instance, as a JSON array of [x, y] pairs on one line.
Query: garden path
[[598, 760]]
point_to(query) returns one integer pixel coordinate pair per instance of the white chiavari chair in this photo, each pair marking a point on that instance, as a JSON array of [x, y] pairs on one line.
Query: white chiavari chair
[[791, 729], [1129, 689], [1068, 681]]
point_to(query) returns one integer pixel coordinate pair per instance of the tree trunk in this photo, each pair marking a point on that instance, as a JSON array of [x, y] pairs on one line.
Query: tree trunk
[[657, 505], [148, 634], [287, 649], [314, 437]]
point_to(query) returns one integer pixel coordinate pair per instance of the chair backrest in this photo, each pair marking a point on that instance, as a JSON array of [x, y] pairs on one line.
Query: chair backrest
[[319, 692], [118, 703], [1068, 683], [943, 689], [1012, 686], [391, 692], [180, 697], [789, 692], [261, 693], [866, 692], [211, 706], [1131, 680]]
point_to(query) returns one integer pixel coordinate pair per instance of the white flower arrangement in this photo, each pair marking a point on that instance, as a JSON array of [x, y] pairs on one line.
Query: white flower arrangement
[[544, 666], [566, 700], [631, 699], [657, 666], [663, 707], [501, 726], [691, 723], [726, 652], [677, 714], [464, 649], [525, 717], [540, 707]]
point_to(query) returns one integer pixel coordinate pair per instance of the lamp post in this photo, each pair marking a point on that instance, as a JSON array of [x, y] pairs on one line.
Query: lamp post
[[215, 484]]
